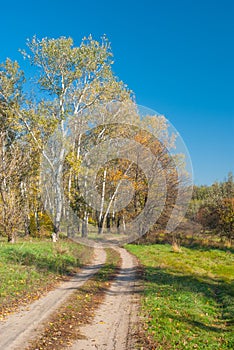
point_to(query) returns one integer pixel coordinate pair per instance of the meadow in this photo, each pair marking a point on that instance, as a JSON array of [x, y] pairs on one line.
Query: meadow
[[187, 302], [30, 268]]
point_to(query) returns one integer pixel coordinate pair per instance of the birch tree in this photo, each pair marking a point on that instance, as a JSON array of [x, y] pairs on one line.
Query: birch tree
[[72, 79]]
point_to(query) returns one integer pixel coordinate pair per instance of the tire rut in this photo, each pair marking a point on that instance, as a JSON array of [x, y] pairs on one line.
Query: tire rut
[[114, 322], [18, 329]]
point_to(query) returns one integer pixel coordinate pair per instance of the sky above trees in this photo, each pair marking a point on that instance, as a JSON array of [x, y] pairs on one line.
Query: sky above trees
[[177, 56]]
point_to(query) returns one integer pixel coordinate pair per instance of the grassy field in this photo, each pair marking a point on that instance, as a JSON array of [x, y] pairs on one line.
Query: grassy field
[[28, 269], [188, 297]]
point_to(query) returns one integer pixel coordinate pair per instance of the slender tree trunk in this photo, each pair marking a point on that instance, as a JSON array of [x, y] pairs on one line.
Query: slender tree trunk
[[11, 237], [84, 229], [112, 199], [124, 225], [100, 218], [118, 224], [58, 177], [108, 223]]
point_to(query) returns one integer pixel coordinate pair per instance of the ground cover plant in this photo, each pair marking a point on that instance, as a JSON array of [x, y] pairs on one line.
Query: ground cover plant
[[30, 268], [187, 301]]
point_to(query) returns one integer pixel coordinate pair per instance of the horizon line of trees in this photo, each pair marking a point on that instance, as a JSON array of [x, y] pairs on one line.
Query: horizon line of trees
[[213, 207]]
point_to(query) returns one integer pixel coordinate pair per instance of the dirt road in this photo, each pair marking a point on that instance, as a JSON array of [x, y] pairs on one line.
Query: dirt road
[[115, 320], [21, 327]]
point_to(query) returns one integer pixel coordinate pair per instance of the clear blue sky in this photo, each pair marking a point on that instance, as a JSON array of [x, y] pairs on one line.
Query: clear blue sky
[[176, 55]]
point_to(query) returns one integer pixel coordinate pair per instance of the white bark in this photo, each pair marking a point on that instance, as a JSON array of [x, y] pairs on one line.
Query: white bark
[[112, 199], [100, 219]]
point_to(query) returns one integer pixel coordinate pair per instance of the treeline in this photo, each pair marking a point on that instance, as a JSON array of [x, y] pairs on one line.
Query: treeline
[[76, 155], [51, 120], [213, 207], [66, 81]]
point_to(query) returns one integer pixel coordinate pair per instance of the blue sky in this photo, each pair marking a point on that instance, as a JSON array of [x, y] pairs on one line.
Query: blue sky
[[176, 55]]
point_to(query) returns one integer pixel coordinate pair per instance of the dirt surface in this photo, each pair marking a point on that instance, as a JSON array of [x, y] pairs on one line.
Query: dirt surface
[[19, 328], [114, 323]]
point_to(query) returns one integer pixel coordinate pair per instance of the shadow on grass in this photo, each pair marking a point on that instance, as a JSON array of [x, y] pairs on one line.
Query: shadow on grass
[[197, 324], [192, 243], [57, 263], [169, 282], [209, 247]]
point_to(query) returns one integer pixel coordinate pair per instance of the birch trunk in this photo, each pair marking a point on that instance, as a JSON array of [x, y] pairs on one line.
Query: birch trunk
[[100, 218]]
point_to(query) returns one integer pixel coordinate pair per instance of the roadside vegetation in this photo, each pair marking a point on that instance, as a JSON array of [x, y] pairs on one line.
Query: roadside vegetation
[[209, 220], [187, 301], [30, 268]]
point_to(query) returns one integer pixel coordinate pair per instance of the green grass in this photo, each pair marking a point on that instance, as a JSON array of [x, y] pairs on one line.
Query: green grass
[[188, 297], [207, 239], [28, 268]]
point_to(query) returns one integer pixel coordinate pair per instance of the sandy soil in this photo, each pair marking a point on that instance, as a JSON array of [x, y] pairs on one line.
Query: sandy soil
[[19, 328], [113, 325]]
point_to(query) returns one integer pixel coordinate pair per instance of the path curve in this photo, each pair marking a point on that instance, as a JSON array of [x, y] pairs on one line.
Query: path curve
[[18, 329], [113, 325]]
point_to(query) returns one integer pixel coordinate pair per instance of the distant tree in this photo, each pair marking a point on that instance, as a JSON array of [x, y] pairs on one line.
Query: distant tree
[[226, 218], [227, 186], [13, 154], [212, 206], [208, 216], [13, 171]]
